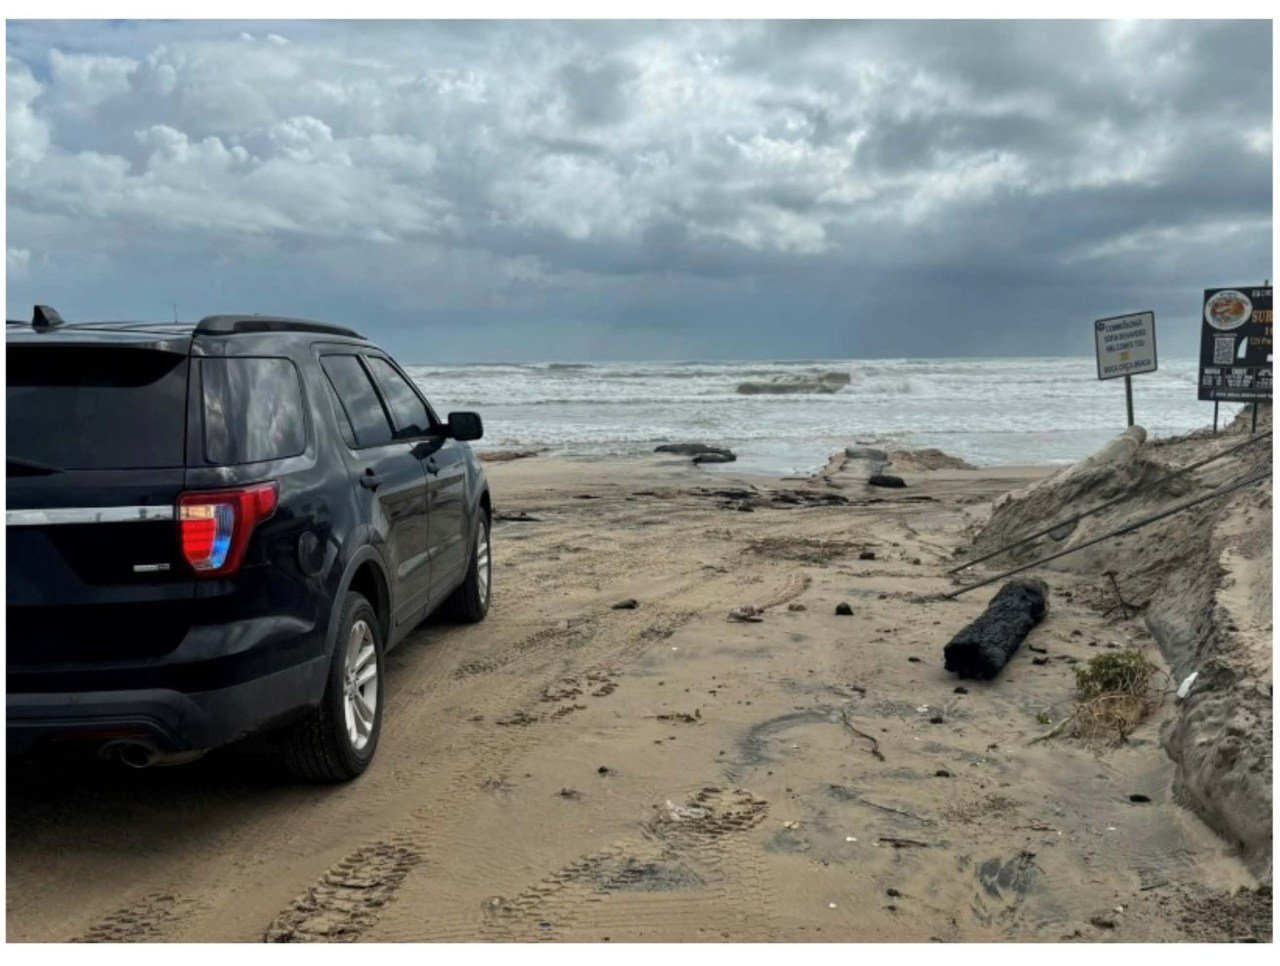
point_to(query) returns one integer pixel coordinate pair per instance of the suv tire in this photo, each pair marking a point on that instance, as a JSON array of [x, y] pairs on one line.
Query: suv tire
[[336, 741], [469, 603]]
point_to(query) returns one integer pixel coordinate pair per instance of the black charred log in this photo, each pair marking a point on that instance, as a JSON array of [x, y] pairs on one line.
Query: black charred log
[[985, 646]]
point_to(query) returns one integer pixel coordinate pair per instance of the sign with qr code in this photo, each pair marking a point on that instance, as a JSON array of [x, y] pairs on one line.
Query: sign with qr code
[[1224, 350], [1126, 344], [1235, 344]]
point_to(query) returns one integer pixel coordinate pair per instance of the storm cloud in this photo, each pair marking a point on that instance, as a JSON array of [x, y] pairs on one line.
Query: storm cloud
[[485, 191]]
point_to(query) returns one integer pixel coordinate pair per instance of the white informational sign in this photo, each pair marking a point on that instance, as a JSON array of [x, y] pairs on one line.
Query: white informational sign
[[1126, 344]]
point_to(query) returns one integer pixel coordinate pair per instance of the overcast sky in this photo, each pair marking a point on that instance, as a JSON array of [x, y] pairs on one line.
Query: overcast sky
[[491, 191]]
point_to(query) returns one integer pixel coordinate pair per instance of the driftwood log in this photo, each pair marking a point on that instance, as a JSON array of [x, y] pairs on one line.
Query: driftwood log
[[985, 646]]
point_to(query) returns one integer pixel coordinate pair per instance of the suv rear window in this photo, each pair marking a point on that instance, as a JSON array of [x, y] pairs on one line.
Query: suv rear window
[[81, 408], [252, 410]]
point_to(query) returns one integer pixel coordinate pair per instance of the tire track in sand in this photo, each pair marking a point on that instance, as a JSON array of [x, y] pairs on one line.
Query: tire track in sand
[[490, 753]]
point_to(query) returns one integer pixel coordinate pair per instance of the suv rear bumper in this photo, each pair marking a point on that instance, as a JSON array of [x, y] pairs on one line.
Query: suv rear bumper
[[173, 720]]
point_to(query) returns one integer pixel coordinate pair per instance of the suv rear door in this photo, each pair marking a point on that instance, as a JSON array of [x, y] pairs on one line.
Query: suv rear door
[[96, 438], [387, 471]]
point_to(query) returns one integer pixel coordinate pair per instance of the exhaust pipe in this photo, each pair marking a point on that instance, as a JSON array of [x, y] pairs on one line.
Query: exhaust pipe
[[144, 754]]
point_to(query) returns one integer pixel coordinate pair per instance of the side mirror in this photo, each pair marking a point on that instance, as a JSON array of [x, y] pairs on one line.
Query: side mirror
[[465, 426]]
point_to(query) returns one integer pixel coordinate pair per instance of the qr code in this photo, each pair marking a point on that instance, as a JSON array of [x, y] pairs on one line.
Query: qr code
[[1224, 350]]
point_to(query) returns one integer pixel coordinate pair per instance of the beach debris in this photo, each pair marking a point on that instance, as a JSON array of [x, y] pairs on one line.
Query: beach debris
[[731, 493], [875, 744], [901, 843], [602, 770], [1184, 688], [788, 498], [1139, 799], [796, 606], [747, 614], [843, 609], [683, 716], [514, 516], [1121, 603], [983, 647], [685, 813], [942, 773], [714, 458], [894, 811], [629, 604], [867, 555], [693, 449], [886, 480], [1116, 692], [517, 719], [506, 455], [571, 794]]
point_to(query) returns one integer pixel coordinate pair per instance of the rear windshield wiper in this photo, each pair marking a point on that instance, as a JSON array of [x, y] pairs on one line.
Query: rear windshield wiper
[[16, 466]]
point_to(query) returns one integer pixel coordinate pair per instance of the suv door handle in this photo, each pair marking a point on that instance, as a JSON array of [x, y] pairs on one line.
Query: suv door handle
[[433, 467], [370, 480]]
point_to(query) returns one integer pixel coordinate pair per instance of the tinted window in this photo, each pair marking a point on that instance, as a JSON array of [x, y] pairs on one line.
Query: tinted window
[[406, 407], [252, 410], [99, 408], [358, 400]]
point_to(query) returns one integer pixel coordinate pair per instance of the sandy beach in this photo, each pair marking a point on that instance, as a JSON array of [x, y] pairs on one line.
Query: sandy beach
[[570, 770]]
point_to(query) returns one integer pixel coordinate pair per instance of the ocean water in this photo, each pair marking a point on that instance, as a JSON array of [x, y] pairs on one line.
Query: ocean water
[[988, 411]]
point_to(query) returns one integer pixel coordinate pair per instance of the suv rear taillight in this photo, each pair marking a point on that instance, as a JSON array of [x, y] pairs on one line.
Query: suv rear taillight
[[215, 525]]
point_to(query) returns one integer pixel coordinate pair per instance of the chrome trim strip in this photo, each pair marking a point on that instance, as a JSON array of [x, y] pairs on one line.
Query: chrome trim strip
[[88, 514]]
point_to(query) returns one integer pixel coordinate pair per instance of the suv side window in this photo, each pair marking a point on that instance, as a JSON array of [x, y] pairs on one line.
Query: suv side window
[[407, 408], [252, 410], [357, 398]]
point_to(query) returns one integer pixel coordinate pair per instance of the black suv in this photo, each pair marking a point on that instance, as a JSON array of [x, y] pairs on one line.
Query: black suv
[[216, 530]]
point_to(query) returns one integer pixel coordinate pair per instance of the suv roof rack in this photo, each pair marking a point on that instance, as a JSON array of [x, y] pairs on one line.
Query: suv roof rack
[[233, 324]]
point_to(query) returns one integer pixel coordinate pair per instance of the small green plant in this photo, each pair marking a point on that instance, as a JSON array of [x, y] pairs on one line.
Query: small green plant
[[1116, 694], [1120, 672], [1042, 717]]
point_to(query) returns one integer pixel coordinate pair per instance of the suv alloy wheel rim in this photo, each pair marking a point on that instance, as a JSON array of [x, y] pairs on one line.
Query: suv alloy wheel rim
[[482, 562], [360, 684]]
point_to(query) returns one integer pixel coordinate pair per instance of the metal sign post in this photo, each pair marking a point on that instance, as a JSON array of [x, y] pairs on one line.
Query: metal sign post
[[1126, 346]]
